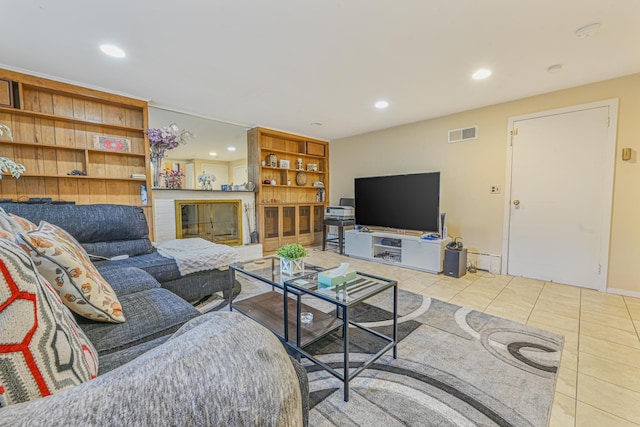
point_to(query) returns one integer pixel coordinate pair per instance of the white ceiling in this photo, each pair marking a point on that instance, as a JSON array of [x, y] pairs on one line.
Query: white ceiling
[[287, 63]]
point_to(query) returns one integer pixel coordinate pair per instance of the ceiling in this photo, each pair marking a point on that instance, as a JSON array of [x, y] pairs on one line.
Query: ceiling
[[285, 64]]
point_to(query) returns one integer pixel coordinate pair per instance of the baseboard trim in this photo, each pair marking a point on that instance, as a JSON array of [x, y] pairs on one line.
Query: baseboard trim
[[623, 292]]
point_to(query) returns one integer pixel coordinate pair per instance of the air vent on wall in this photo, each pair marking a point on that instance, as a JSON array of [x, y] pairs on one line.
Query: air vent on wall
[[458, 135]]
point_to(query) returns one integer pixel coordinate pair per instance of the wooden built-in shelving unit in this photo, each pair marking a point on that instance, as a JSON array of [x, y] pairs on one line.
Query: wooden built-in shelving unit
[[288, 213], [54, 125]]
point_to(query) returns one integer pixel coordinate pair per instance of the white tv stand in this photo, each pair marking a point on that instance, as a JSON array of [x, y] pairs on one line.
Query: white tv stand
[[395, 249]]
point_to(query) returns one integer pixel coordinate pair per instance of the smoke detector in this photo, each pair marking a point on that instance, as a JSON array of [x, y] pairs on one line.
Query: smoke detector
[[587, 30]]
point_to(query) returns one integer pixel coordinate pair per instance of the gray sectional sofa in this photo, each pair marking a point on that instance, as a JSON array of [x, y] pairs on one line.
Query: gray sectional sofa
[[112, 230], [224, 368]]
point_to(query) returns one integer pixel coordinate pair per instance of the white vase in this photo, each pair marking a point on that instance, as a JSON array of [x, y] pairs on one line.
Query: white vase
[[291, 267]]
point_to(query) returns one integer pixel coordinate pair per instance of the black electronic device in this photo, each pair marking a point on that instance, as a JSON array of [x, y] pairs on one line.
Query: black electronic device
[[407, 202], [455, 262], [455, 244]]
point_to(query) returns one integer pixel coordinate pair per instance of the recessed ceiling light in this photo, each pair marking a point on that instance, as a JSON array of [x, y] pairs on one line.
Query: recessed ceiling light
[[316, 124], [112, 50], [213, 154], [555, 68], [381, 104], [587, 30], [230, 148], [482, 73]]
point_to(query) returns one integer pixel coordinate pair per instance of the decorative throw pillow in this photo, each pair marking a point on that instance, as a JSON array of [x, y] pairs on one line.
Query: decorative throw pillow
[[23, 222], [6, 235], [9, 223], [66, 265], [42, 349]]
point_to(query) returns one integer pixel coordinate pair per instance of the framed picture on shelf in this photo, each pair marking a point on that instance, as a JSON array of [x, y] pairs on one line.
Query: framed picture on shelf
[[112, 143], [284, 164]]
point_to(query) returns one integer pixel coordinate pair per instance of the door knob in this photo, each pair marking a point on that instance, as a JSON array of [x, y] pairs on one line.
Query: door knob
[[516, 202]]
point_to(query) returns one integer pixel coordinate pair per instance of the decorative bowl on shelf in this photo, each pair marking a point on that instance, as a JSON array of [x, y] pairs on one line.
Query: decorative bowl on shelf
[[301, 178]]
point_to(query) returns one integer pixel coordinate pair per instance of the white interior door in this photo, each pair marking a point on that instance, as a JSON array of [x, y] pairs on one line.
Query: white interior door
[[560, 190]]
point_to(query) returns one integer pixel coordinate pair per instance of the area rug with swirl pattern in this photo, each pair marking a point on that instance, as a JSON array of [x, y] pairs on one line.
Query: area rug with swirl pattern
[[455, 367]]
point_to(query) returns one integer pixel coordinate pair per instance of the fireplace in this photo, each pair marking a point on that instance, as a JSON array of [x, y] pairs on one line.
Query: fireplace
[[219, 221]]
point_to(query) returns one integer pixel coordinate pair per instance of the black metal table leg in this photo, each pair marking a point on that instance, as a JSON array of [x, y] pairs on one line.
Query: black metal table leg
[[345, 328], [324, 236], [232, 279], [395, 321]]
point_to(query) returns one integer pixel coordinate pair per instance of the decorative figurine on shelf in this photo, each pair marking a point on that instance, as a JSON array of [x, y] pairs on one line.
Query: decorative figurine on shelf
[[273, 160], [299, 164], [206, 180]]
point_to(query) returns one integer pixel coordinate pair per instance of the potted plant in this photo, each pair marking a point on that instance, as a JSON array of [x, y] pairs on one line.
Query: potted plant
[[291, 258]]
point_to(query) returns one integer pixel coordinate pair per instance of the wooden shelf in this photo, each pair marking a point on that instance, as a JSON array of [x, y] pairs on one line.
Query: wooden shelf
[[48, 175], [266, 152], [63, 147], [291, 170], [67, 119], [290, 186]]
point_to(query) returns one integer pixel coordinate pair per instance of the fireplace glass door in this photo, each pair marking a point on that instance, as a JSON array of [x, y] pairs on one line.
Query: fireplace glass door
[[219, 221]]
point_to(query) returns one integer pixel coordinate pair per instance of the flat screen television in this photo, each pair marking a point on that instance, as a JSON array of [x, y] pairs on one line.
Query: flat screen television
[[407, 202]]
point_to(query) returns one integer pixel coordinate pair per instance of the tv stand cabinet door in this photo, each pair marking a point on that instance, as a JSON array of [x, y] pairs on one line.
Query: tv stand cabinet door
[[422, 254], [358, 244]]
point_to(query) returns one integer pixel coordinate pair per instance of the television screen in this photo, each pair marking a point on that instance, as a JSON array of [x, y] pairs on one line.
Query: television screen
[[407, 202]]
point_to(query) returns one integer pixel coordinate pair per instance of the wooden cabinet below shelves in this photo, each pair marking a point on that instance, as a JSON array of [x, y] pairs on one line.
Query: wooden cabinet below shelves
[[289, 223]]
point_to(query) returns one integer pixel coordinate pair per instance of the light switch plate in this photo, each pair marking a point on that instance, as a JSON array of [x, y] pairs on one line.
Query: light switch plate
[[626, 154]]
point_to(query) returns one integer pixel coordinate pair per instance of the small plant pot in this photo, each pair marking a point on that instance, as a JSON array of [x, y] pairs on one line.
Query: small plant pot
[[291, 267]]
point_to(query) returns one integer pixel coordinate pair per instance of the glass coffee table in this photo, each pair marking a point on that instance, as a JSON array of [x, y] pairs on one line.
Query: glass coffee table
[[280, 310]]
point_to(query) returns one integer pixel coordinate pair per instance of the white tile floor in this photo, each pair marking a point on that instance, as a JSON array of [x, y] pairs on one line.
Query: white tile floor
[[599, 377]]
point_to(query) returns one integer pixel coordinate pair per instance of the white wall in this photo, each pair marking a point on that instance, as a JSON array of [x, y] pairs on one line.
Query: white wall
[[469, 169]]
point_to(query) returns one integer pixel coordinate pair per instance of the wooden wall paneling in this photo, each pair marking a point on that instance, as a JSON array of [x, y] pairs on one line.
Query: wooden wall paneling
[[24, 129], [117, 165], [8, 187], [134, 119], [50, 161], [96, 165], [51, 189], [117, 192], [69, 160], [44, 102], [6, 149], [30, 157], [62, 105], [64, 133], [93, 111], [78, 109], [98, 191], [80, 136], [44, 131], [68, 189], [115, 115], [29, 186], [84, 191]]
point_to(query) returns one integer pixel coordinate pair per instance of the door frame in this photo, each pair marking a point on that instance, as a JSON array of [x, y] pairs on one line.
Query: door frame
[[607, 199]]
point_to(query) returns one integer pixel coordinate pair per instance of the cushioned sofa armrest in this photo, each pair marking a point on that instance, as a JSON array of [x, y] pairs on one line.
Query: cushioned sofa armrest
[[225, 370]]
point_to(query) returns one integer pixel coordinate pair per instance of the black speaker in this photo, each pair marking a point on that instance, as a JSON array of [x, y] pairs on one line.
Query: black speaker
[[455, 262]]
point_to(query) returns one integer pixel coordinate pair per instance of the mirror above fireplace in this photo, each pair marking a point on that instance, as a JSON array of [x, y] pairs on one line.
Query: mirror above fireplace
[[208, 152]]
